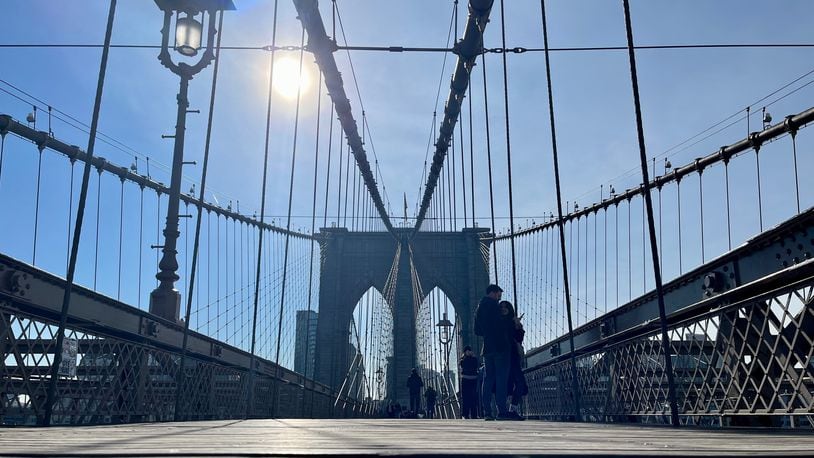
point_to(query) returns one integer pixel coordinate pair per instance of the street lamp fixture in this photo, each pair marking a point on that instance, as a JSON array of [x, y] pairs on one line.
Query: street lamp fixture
[[445, 337], [188, 33], [165, 300], [444, 326]]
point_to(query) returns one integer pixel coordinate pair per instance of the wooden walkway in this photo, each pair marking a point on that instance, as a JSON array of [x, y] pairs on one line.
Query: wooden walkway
[[394, 437]]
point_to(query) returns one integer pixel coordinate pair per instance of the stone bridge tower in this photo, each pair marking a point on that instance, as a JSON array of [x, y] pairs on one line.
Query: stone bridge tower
[[352, 262]]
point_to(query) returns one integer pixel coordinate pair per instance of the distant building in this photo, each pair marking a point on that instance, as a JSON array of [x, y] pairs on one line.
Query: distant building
[[306, 342]]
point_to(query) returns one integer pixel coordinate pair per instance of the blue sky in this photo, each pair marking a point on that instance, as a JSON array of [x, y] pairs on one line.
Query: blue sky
[[683, 92]]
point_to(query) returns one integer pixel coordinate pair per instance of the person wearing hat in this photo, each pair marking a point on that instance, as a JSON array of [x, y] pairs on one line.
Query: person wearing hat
[[496, 353], [469, 383]]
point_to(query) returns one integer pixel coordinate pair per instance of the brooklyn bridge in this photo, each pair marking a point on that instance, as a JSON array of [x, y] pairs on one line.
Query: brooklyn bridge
[[632, 175]]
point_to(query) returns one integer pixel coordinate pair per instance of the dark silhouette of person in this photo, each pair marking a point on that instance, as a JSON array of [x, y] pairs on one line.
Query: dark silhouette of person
[[517, 386], [431, 396], [496, 353], [414, 384], [469, 383]]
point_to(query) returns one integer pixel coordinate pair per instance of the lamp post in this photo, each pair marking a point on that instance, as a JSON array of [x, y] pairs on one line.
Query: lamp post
[[189, 31], [445, 337]]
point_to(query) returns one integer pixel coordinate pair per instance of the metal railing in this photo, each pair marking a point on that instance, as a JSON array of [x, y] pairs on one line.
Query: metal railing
[[741, 352], [121, 364]]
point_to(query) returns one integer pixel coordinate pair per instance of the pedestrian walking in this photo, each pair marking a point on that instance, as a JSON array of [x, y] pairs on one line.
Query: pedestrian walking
[[496, 353], [431, 397], [469, 383], [414, 384]]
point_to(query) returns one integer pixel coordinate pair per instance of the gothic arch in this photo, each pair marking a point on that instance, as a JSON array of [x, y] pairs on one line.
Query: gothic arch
[[355, 261]]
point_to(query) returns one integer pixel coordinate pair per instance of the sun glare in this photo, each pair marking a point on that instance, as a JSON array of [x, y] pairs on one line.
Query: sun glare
[[287, 78]]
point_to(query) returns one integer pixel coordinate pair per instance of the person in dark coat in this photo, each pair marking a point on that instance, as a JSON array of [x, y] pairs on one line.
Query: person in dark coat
[[414, 384], [469, 383], [496, 353], [431, 396], [517, 386]]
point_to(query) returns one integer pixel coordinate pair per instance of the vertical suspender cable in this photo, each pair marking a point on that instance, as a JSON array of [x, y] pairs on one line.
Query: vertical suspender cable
[[644, 250], [680, 251], [701, 208], [157, 227], [566, 286], [665, 339], [98, 212], [661, 229], [509, 156], [140, 241], [313, 225], [450, 189], [70, 212], [328, 171], [121, 232], [793, 133], [616, 248], [353, 200], [463, 168], [629, 251], [489, 157], [3, 133], [250, 388], [80, 214], [339, 178], [347, 182], [195, 246], [471, 158], [453, 183], [759, 194], [40, 148], [605, 261]]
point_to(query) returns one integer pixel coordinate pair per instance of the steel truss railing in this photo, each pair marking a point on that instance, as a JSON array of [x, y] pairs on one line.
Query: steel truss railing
[[790, 125], [121, 364], [44, 141], [742, 353]]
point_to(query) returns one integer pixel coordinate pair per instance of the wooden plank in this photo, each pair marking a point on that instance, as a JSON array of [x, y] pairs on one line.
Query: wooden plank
[[395, 437]]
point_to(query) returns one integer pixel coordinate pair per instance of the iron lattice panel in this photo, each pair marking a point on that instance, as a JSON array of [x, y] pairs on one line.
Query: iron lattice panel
[[746, 364], [116, 381]]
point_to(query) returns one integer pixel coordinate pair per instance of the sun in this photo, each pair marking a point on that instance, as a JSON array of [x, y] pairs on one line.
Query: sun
[[288, 79]]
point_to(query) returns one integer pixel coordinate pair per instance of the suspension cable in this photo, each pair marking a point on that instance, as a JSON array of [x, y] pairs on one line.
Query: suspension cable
[[489, 160], [566, 286], [509, 157], [66, 299], [328, 171], [37, 211], [665, 339], [250, 395], [288, 227]]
